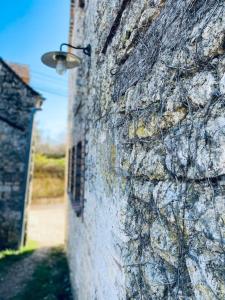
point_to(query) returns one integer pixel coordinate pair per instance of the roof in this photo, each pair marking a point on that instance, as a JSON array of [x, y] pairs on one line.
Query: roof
[[27, 86], [21, 70]]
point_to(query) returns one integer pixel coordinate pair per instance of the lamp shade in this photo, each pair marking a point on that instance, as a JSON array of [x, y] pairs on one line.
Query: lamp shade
[[52, 59], [38, 103]]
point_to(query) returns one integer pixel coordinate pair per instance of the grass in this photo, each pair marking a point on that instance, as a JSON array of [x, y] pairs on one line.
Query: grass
[[50, 280], [48, 179], [9, 257], [47, 187]]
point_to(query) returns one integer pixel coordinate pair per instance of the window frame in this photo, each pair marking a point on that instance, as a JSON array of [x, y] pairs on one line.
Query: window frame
[[76, 176], [81, 3]]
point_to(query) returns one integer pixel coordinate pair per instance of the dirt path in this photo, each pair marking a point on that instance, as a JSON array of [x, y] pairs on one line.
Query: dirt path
[[46, 224], [19, 274]]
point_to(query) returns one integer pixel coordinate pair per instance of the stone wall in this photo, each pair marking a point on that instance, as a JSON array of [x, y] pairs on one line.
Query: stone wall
[[150, 104], [16, 118]]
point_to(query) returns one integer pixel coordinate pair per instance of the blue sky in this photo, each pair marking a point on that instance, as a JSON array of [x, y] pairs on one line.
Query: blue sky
[[29, 28]]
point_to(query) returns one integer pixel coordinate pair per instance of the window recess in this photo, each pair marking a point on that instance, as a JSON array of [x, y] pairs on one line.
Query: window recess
[[76, 177]]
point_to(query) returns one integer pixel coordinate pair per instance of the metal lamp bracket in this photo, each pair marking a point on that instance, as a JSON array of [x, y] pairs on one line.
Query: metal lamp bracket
[[86, 50]]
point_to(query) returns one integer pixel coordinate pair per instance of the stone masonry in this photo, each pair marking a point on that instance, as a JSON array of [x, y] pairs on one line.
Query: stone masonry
[[149, 103], [17, 107]]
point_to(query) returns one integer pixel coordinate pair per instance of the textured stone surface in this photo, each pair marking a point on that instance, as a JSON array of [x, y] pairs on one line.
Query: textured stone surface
[[150, 105], [16, 101]]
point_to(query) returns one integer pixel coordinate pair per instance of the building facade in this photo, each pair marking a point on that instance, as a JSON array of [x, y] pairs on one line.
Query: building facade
[[146, 184], [17, 108]]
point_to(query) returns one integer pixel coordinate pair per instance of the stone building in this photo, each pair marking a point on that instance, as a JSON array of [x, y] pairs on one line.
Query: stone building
[[18, 103], [146, 184]]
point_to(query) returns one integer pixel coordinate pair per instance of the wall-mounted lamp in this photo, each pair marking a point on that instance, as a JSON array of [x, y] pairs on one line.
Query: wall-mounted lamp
[[61, 61], [38, 103]]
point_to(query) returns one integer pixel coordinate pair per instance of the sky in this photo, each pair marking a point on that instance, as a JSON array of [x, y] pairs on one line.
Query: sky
[[28, 29]]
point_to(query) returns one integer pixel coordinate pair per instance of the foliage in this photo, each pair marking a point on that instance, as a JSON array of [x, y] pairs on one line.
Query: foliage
[[47, 146], [48, 179], [50, 165]]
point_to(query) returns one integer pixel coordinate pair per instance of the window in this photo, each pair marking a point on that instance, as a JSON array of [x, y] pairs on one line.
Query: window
[[76, 177], [81, 3], [70, 186]]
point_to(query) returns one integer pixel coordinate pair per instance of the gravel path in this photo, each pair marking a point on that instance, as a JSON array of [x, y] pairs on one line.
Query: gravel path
[[46, 224]]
